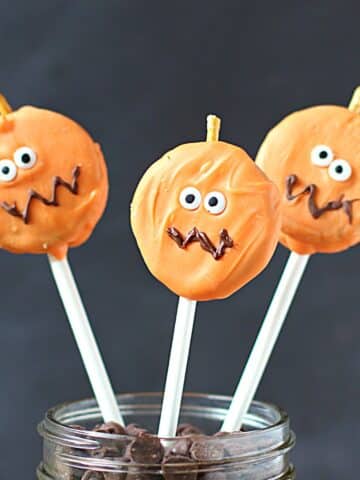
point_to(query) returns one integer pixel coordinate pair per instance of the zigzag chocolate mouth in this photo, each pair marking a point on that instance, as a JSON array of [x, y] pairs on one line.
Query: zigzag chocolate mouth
[[34, 195], [316, 212], [206, 244]]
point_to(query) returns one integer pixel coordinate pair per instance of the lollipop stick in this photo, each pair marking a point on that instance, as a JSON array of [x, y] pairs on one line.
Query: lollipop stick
[[265, 341], [179, 355], [180, 347], [85, 339]]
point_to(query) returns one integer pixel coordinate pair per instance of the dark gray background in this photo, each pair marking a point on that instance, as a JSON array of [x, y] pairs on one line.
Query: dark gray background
[[141, 76]]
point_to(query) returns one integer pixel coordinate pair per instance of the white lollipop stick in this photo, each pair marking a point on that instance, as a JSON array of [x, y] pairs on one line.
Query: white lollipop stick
[[265, 341], [175, 379], [270, 329], [85, 340], [180, 348]]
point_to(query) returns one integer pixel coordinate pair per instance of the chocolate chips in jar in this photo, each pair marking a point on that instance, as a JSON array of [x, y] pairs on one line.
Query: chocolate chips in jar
[[145, 455], [146, 449], [207, 449], [110, 447], [186, 429], [112, 428], [133, 429], [179, 448]]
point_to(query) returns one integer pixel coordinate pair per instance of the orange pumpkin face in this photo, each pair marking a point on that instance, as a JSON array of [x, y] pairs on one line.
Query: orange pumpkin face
[[53, 182], [206, 219], [314, 158]]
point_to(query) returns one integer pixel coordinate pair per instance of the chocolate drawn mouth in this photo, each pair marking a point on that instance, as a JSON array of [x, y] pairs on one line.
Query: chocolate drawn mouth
[[34, 195], [316, 212], [195, 235]]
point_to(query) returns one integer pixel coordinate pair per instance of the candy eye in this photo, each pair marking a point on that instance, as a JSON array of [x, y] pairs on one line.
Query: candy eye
[[190, 198], [8, 170], [340, 170], [25, 157], [322, 155], [215, 202]]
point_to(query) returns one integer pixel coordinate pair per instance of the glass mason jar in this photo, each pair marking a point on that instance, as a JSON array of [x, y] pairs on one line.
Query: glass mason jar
[[72, 451]]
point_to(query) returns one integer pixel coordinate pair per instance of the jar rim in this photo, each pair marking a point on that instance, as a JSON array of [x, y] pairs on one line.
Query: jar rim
[[51, 423]]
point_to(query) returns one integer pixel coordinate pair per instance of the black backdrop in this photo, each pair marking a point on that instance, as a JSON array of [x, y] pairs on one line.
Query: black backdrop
[[141, 76]]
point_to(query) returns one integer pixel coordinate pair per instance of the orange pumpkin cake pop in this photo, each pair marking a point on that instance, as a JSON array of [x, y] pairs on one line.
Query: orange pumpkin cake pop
[[53, 182], [314, 158], [53, 190], [206, 219]]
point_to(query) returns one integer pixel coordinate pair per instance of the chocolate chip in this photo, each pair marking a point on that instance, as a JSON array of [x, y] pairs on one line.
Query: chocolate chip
[[179, 468], [111, 428], [180, 448], [134, 430], [146, 449], [109, 452], [206, 450], [185, 429]]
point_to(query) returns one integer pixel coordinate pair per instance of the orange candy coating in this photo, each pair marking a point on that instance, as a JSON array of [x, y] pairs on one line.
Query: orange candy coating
[[250, 218], [296, 147], [62, 149]]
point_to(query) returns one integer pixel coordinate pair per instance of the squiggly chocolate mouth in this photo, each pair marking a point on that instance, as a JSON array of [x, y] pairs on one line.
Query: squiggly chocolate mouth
[[316, 212], [34, 195], [194, 235]]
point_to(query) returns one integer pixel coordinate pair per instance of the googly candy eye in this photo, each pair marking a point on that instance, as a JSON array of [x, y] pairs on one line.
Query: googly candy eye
[[25, 157], [340, 170], [190, 198], [322, 156], [215, 203], [8, 170]]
